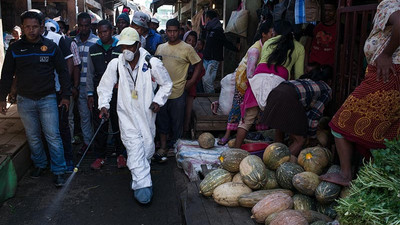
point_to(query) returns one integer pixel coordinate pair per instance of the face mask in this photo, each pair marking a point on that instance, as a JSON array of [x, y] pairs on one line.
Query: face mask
[[128, 55]]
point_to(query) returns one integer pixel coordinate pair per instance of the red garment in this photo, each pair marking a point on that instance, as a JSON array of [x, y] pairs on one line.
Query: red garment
[[323, 45], [371, 113]]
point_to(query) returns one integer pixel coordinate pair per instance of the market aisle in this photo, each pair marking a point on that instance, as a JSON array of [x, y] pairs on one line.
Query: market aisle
[[97, 197]]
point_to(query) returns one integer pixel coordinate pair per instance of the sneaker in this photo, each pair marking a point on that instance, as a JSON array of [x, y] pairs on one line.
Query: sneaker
[[82, 150], [121, 162], [143, 195], [59, 180], [70, 167], [97, 164], [37, 172]]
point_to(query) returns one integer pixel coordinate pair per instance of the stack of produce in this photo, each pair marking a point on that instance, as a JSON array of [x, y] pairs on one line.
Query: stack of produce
[[280, 188]]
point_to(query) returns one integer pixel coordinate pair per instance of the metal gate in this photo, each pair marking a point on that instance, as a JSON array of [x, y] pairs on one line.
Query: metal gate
[[354, 26]]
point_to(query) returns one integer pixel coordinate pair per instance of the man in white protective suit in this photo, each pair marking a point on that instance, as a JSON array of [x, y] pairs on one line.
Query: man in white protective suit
[[137, 105]]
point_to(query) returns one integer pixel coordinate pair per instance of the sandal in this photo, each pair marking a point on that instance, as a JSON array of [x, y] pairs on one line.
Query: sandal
[[223, 141]]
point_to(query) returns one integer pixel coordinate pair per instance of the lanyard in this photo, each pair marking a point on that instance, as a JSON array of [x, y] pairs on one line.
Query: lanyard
[[134, 80]]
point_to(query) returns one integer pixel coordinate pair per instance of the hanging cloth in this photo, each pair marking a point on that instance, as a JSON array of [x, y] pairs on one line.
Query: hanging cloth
[[300, 12]]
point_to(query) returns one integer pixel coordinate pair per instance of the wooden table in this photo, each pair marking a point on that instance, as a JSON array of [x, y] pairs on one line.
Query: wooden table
[[203, 118]]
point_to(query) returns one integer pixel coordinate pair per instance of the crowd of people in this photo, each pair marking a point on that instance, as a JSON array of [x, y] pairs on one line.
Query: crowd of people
[[143, 83]]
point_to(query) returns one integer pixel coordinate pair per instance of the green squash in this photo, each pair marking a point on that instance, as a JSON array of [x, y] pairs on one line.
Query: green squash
[[314, 159], [251, 199], [272, 182], [213, 180], [319, 222], [285, 174], [253, 172], [327, 192], [230, 159], [328, 209], [303, 202], [276, 154], [306, 182]]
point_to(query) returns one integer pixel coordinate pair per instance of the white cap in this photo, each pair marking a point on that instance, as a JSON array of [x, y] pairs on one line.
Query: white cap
[[154, 20], [128, 36]]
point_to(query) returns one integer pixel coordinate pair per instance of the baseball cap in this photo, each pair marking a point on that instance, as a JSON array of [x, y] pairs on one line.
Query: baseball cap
[[128, 36], [141, 19], [154, 20]]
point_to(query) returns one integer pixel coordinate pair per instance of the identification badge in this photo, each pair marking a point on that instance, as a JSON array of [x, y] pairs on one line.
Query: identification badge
[[134, 94]]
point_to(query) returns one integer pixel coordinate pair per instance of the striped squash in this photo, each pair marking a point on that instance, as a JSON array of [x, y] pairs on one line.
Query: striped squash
[[213, 180], [253, 172], [276, 154], [230, 159]]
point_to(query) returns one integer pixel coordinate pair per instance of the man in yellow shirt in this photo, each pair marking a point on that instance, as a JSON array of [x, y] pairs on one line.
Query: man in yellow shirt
[[176, 57]]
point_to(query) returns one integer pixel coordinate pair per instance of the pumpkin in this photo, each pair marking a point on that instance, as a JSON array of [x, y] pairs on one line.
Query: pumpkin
[[237, 178], [328, 209], [306, 182], [293, 159], [227, 194], [251, 199], [345, 192], [312, 216], [270, 218], [206, 140], [272, 183], [323, 137], [272, 203], [285, 174], [276, 154], [289, 217], [303, 202], [327, 192], [253, 172], [314, 159], [213, 180], [230, 159], [231, 143]]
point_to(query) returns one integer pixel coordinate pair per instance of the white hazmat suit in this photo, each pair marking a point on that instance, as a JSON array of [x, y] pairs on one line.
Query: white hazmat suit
[[136, 120]]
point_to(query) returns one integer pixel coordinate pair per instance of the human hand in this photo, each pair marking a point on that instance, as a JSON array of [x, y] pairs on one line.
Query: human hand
[[3, 107], [104, 113], [154, 107], [383, 67], [90, 102], [64, 102]]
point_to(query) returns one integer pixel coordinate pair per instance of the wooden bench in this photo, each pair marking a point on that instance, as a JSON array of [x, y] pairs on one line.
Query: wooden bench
[[203, 118]]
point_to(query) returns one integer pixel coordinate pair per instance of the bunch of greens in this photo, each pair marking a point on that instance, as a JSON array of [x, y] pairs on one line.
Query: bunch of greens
[[375, 195]]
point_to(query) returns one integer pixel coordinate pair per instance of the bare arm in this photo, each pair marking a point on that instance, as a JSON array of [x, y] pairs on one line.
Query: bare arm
[[384, 60]]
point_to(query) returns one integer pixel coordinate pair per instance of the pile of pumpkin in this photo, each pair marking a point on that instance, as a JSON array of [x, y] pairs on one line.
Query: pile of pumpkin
[[280, 188]]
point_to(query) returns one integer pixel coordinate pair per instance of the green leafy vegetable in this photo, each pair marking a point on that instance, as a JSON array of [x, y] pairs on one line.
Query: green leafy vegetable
[[375, 195]]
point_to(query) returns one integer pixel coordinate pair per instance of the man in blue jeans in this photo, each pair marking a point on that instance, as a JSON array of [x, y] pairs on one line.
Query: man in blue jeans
[[33, 60], [213, 50]]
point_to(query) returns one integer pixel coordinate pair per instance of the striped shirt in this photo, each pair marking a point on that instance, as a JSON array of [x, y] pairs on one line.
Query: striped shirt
[[313, 95], [83, 53]]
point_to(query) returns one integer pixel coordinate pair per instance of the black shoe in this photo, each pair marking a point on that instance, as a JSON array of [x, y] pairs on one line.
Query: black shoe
[[37, 172], [158, 158], [59, 180]]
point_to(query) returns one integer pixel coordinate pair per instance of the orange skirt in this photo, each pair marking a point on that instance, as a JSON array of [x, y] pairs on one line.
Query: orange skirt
[[371, 113]]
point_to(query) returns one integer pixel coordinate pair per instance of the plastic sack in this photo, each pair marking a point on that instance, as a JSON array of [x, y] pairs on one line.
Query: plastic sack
[[237, 23], [190, 156], [227, 92]]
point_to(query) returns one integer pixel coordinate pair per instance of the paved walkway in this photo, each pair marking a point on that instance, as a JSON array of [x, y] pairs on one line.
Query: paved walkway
[[97, 197]]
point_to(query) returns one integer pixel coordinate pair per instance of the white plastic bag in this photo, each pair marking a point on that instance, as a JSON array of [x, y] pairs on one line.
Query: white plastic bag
[[227, 92]]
